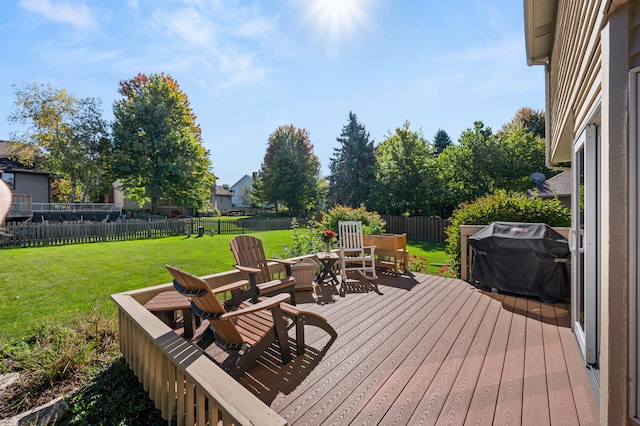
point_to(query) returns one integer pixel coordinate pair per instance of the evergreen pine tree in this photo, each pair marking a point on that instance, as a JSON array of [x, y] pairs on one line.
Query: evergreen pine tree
[[352, 166], [441, 140]]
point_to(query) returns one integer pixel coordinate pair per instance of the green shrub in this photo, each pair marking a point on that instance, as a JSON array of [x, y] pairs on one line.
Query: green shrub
[[304, 242], [372, 223], [503, 207], [311, 241]]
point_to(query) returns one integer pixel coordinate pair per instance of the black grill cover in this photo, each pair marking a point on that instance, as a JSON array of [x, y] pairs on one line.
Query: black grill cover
[[520, 258]]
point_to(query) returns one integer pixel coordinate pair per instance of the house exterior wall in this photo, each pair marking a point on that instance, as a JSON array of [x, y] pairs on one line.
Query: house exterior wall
[[573, 74], [222, 202], [596, 45], [614, 232], [34, 184], [239, 190]]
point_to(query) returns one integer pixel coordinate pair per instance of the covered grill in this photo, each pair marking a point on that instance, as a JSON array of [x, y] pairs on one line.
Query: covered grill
[[522, 258]]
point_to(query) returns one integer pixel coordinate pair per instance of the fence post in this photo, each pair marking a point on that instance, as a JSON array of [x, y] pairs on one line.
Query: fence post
[[218, 226]]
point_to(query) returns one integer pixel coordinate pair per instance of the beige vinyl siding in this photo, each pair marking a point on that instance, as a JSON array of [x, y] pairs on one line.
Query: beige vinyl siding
[[574, 73]]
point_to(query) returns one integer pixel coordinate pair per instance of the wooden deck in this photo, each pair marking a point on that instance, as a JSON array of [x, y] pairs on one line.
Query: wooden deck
[[431, 350]]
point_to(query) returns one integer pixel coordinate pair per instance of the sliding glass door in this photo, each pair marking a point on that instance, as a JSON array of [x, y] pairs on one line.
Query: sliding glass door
[[583, 244]]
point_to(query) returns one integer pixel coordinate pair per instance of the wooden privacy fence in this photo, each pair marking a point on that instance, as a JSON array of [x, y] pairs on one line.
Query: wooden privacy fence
[[30, 234], [420, 228]]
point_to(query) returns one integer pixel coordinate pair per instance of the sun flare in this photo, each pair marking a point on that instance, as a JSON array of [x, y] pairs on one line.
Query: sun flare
[[338, 22]]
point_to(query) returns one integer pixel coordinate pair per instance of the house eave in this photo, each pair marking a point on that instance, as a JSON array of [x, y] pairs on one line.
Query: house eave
[[539, 27]]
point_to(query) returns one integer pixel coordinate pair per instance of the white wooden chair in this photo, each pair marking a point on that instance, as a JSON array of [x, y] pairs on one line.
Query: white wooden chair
[[354, 255]]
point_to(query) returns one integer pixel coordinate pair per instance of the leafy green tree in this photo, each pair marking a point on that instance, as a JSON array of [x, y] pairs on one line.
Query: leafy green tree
[[484, 162], [290, 171], [531, 119], [157, 144], [523, 153], [352, 166], [70, 132], [402, 174], [469, 169], [441, 140]]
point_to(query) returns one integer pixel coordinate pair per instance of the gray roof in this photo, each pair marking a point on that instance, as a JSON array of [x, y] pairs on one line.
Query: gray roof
[[9, 152], [218, 190], [559, 185]]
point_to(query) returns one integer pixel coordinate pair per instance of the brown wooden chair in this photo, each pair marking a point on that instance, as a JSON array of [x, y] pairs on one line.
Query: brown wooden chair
[[251, 260], [247, 331]]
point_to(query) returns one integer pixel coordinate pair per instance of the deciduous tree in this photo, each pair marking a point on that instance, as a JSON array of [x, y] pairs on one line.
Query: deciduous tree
[[158, 145], [402, 174], [484, 162], [469, 169], [531, 119], [290, 171], [70, 132], [352, 166]]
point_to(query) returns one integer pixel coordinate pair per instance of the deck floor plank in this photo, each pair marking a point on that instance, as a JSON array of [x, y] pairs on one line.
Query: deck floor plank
[[509, 403], [366, 359], [407, 401], [433, 399], [358, 329], [562, 409], [535, 401], [485, 396], [459, 399], [430, 350], [383, 381], [584, 398]]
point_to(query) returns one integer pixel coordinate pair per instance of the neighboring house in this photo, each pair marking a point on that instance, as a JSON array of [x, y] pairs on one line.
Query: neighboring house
[[590, 51], [221, 198], [557, 186], [241, 190], [165, 207], [21, 179]]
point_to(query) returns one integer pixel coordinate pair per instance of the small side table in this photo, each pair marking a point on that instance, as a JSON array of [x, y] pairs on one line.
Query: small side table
[[164, 305], [327, 261]]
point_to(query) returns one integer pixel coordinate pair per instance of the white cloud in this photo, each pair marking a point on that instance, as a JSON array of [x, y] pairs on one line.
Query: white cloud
[[223, 42], [78, 15], [191, 26], [256, 27]]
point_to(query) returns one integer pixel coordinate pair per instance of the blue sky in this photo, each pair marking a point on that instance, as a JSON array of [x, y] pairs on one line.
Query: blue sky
[[251, 66]]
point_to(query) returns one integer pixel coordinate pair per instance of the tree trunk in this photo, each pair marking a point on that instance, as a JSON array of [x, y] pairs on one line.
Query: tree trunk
[[154, 204], [72, 196]]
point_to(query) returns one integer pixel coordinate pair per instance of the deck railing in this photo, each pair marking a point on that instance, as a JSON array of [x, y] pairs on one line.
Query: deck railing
[[76, 207], [182, 381], [20, 204]]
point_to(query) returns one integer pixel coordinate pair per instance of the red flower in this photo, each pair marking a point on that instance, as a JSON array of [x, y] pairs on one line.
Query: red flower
[[328, 235]]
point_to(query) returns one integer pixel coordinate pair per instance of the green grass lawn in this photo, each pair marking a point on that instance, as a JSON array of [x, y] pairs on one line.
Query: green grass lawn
[[432, 252], [65, 284]]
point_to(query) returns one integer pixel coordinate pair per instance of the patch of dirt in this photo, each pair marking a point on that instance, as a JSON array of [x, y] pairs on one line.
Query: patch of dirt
[[14, 399]]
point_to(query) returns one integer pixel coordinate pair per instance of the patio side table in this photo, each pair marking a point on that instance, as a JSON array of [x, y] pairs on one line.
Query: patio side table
[[164, 305], [327, 261]]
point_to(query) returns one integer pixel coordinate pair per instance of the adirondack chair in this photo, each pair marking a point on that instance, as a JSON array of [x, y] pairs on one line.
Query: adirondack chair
[[247, 331], [354, 255], [251, 260]]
